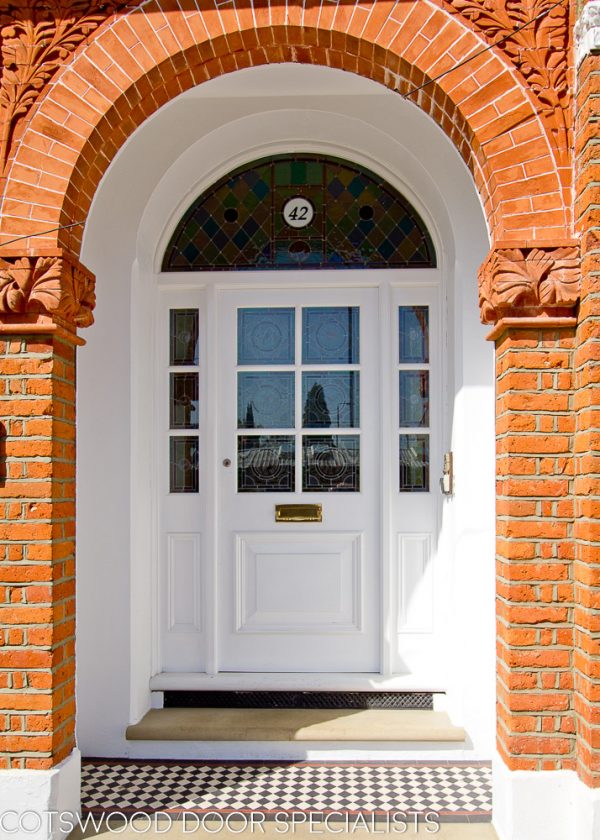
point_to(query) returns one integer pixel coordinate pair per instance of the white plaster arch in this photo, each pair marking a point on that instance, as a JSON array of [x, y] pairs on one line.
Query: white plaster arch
[[181, 150]]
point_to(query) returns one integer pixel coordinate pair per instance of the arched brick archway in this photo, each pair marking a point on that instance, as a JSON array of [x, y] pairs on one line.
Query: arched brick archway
[[139, 61]]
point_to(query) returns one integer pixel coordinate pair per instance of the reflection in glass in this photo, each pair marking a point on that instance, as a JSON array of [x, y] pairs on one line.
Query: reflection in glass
[[266, 336], [266, 463], [414, 333], [183, 401], [330, 334], [331, 399], [414, 463], [331, 463], [184, 337], [266, 401], [183, 464], [414, 397]]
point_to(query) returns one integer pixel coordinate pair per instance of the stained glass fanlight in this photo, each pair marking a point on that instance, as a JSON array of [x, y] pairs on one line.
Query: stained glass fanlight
[[300, 211]]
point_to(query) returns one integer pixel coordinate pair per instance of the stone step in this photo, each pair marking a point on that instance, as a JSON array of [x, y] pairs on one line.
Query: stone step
[[294, 725]]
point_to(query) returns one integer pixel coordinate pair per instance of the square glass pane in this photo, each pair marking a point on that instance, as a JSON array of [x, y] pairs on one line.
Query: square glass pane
[[413, 334], [266, 400], [266, 464], [330, 334], [183, 464], [414, 397], [414, 463], [183, 402], [331, 399], [330, 463], [266, 336], [183, 337]]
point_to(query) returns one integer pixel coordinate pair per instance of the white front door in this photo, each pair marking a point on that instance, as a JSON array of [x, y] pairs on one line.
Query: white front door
[[298, 396]]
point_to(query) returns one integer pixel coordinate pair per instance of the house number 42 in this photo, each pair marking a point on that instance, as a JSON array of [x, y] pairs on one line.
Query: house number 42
[[298, 212]]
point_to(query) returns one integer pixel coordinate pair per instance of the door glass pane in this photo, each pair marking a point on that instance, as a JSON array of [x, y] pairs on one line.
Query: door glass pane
[[414, 462], [331, 399], [266, 463], [183, 401], [330, 462], [330, 334], [184, 464], [183, 337], [414, 397], [414, 334], [266, 400], [266, 336]]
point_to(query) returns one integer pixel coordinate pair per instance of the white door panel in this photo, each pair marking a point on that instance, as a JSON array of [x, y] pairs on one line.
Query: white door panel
[[237, 591], [298, 596]]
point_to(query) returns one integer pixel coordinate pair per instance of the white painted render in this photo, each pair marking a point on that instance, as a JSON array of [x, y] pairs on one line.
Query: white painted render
[[171, 159], [41, 804], [548, 805]]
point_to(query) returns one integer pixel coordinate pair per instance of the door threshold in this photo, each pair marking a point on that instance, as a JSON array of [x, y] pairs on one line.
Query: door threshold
[[244, 681], [315, 725]]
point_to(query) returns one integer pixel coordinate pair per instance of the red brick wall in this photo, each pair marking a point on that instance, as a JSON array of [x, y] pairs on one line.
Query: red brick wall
[[587, 446], [37, 560], [535, 426]]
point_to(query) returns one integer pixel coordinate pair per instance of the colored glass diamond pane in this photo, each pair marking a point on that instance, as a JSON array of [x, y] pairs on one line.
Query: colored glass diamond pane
[[360, 221]]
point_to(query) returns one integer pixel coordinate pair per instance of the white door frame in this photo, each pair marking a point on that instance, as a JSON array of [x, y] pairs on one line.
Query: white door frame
[[181, 289]]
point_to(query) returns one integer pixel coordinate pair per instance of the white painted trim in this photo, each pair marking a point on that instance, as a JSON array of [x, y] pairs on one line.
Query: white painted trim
[[38, 804], [587, 31], [234, 681], [543, 805], [305, 751]]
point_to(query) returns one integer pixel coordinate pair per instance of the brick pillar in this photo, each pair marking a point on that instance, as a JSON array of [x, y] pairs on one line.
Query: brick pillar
[[531, 294], [43, 298], [587, 404], [534, 428]]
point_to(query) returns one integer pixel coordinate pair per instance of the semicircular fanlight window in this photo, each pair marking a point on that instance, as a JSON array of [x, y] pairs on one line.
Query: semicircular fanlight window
[[300, 211]]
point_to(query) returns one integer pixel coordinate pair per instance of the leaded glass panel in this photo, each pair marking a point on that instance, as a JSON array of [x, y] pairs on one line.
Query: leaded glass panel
[[183, 401], [413, 322], [358, 221], [266, 336], [266, 400], [414, 397], [330, 462], [183, 337], [414, 463], [184, 464], [330, 335], [266, 463], [331, 399]]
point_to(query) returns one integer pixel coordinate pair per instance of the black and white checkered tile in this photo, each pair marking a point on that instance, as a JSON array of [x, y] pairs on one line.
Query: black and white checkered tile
[[457, 789]]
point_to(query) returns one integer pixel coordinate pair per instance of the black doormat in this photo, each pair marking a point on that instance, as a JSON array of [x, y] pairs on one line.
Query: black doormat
[[298, 700]]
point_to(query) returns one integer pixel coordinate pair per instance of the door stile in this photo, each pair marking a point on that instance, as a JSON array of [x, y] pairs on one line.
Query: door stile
[[212, 465], [387, 579], [160, 308]]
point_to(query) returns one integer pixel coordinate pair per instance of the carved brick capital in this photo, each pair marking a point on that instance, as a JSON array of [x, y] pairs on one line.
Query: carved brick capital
[[36, 38], [529, 282], [47, 285]]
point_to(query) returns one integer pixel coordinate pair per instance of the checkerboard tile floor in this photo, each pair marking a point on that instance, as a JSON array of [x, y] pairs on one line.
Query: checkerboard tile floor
[[454, 790]]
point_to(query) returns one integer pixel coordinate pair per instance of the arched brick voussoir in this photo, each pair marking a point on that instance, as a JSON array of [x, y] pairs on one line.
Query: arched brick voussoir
[[140, 61]]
